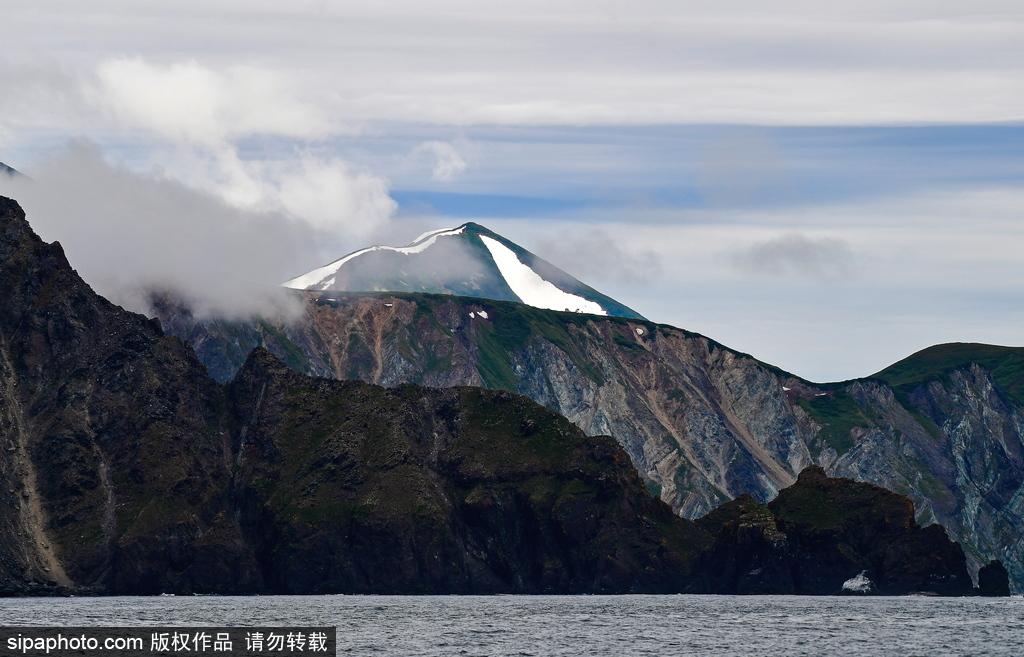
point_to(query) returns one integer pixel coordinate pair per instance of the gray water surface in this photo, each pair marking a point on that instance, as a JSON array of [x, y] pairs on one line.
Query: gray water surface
[[582, 625]]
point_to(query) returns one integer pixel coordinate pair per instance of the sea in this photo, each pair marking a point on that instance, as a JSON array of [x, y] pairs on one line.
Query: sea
[[617, 626]]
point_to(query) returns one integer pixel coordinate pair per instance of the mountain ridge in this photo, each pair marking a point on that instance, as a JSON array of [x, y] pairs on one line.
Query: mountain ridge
[[127, 470]]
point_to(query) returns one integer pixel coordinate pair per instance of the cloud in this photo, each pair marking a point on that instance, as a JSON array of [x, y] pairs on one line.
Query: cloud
[[447, 163], [595, 256], [129, 234], [204, 112], [190, 102], [328, 195], [192, 204], [795, 254], [449, 62]]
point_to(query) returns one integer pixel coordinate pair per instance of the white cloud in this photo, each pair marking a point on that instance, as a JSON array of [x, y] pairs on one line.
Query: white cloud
[[447, 163], [189, 102], [199, 114], [329, 196], [128, 234]]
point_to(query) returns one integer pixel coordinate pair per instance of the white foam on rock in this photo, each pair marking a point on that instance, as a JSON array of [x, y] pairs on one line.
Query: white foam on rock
[[324, 277], [530, 287], [858, 584]]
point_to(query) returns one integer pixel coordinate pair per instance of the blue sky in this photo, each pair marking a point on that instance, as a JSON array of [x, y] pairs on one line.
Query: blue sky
[[548, 171], [827, 187]]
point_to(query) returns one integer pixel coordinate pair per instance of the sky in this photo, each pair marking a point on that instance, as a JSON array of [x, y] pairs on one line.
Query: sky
[[827, 186]]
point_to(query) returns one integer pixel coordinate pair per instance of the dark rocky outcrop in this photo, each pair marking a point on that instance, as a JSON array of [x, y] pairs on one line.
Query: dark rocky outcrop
[[126, 469], [993, 580]]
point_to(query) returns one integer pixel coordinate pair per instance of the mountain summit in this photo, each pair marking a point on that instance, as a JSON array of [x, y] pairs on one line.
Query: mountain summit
[[470, 261]]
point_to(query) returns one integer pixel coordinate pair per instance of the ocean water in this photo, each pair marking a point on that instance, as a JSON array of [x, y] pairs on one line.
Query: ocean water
[[616, 626]]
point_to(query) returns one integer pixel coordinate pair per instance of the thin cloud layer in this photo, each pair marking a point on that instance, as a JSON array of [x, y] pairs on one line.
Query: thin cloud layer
[[595, 256], [458, 63], [799, 255]]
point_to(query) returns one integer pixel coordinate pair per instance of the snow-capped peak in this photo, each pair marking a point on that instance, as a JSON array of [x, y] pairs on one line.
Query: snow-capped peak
[[469, 260]]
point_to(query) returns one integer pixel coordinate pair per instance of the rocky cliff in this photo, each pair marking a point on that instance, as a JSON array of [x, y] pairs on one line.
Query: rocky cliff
[[126, 469], [702, 423]]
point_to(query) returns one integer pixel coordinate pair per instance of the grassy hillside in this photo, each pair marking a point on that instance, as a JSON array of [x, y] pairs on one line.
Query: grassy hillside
[[1005, 363]]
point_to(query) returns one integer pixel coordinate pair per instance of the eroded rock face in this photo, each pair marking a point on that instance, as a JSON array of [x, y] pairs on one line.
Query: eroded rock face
[[701, 423]]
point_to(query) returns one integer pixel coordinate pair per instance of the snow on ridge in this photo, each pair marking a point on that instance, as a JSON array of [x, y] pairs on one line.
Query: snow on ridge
[[437, 233], [424, 241], [530, 287], [324, 277]]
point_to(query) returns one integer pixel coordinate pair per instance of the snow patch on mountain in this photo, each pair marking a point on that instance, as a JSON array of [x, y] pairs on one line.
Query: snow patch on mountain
[[530, 287]]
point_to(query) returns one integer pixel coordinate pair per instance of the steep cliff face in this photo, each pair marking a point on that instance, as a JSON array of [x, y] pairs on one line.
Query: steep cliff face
[[113, 459], [702, 423]]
